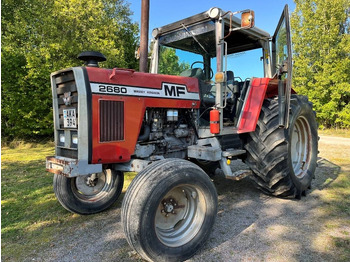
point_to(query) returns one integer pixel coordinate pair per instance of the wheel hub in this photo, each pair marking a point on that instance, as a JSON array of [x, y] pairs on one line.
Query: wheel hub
[[91, 180], [91, 185], [180, 215], [301, 147], [170, 204]]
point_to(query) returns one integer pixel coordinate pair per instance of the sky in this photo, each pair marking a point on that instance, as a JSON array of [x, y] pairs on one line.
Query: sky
[[267, 14]]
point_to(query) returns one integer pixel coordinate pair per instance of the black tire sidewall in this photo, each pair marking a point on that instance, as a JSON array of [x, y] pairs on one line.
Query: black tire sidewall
[[149, 203], [63, 187], [303, 109]]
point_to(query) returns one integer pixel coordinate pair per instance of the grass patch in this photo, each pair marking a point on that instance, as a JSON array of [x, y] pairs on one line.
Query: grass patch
[[31, 216], [336, 198], [335, 132], [335, 195]]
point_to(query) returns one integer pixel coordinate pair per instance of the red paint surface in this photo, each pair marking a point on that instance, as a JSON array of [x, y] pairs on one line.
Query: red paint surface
[[134, 109], [253, 105], [130, 77]]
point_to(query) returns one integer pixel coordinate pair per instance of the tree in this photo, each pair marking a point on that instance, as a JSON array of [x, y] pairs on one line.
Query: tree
[[169, 63], [321, 43], [43, 36]]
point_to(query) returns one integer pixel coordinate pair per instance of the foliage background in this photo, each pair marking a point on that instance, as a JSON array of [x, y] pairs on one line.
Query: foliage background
[[321, 43], [43, 36]]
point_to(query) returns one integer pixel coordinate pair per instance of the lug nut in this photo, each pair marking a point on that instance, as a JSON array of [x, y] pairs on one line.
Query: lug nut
[[162, 211]]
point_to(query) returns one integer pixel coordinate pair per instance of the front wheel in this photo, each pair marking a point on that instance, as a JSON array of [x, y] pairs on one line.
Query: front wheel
[[89, 194], [169, 210], [284, 160]]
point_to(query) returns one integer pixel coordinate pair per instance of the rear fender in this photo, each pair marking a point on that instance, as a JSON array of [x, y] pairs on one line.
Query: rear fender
[[252, 105]]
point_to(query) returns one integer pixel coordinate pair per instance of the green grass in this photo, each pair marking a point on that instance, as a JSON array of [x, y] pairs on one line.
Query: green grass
[[31, 216], [335, 132], [30, 211]]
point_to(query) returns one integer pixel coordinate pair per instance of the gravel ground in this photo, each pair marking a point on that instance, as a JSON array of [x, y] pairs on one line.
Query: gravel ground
[[250, 226]]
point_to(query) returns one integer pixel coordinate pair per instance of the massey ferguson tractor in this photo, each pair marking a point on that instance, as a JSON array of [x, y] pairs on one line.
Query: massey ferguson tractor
[[175, 131]]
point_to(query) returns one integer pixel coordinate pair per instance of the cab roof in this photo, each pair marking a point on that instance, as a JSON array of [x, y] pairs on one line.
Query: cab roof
[[179, 35]]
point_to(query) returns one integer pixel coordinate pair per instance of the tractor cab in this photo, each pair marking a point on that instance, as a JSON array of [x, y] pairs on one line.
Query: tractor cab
[[207, 45]]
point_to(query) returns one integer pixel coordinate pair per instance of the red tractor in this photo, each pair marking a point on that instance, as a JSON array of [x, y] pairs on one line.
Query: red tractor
[[175, 131]]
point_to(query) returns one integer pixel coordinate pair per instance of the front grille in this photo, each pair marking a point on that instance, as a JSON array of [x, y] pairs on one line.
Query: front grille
[[65, 83], [111, 120], [66, 152]]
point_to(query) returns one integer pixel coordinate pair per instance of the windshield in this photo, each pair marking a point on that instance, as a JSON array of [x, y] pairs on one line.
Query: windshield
[[244, 64], [174, 61]]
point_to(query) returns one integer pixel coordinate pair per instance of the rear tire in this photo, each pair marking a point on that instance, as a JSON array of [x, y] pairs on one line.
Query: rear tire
[[283, 161], [169, 210], [79, 196]]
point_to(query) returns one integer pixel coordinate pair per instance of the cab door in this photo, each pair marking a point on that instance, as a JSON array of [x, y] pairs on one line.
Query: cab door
[[282, 64]]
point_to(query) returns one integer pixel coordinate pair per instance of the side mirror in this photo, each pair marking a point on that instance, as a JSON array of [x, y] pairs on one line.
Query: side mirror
[[247, 19]]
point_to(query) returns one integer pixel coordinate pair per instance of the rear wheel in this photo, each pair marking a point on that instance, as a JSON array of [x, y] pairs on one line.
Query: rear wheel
[[89, 194], [169, 210], [284, 160]]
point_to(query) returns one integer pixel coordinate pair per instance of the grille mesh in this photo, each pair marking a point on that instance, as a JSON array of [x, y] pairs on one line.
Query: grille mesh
[[111, 120], [65, 83]]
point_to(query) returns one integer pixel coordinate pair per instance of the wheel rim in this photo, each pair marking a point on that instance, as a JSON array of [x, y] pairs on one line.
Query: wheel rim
[[180, 215], [92, 187], [301, 147]]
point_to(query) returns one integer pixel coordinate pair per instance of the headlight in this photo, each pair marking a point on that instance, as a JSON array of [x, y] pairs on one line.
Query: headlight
[[75, 139], [62, 138]]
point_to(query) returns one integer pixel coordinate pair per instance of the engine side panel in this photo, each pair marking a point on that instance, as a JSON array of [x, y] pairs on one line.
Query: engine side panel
[[133, 92]]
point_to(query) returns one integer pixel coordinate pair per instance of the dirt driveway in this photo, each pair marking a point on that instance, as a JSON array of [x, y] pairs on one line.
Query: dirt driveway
[[250, 226]]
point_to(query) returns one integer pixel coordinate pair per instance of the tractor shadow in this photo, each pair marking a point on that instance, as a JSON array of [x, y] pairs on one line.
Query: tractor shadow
[[250, 223], [246, 218]]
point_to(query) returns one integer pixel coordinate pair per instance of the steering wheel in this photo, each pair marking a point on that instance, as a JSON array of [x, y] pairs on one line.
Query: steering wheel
[[200, 62]]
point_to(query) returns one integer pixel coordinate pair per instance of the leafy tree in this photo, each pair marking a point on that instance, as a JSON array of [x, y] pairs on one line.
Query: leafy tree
[[43, 36], [169, 63], [322, 57]]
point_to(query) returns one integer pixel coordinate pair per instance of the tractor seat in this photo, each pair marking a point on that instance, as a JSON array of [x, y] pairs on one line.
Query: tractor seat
[[194, 72], [204, 88]]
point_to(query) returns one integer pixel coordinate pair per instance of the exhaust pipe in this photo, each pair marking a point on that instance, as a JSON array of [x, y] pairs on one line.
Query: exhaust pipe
[[144, 36]]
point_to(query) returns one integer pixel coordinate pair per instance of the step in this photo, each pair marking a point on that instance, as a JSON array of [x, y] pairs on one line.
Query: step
[[231, 152], [204, 152]]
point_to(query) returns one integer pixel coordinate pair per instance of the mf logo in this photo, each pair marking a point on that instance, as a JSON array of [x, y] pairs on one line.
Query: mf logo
[[174, 90]]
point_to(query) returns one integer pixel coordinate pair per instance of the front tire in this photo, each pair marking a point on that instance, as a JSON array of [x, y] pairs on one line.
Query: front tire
[[169, 210], [89, 194], [283, 161]]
